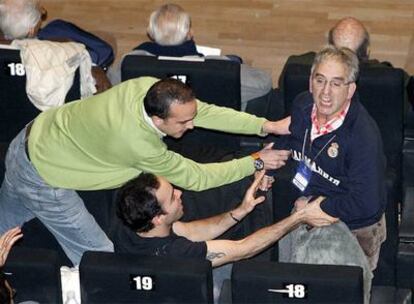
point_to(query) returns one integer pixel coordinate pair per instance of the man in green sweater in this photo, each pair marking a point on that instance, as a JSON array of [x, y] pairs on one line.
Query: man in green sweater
[[107, 139]]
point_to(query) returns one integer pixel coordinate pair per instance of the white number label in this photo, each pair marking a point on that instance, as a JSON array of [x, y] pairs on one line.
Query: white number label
[[143, 283], [297, 291], [16, 69]]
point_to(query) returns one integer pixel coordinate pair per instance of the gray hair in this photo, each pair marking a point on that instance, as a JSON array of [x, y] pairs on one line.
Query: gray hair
[[169, 25], [18, 17], [342, 55]]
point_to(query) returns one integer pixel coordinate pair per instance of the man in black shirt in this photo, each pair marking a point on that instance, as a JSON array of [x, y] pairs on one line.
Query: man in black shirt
[[150, 209]]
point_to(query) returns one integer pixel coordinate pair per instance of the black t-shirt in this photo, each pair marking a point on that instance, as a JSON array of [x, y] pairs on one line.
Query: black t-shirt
[[127, 241]]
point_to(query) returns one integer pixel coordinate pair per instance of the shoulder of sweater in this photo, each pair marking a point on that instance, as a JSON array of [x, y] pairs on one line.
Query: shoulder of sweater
[[361, 124]]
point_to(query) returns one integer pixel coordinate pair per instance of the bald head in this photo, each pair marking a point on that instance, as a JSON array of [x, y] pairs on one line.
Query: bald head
[[351, 33]]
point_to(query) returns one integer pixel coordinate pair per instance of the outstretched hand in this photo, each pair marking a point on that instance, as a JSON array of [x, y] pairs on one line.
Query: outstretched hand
[[280, 127], [273, 159], [266, 182], [314, 215], [250, 201], [7, 240]]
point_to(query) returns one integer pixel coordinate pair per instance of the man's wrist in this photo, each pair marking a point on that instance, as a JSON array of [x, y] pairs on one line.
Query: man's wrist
[[264, 130], [234, 218], [299, 216], [239, 213], [257, 161], [255, 155]]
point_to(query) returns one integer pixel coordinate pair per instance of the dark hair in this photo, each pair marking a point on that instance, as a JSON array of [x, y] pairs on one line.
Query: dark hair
[[4, 291], [137, 204], [362, 50], [165, 92]]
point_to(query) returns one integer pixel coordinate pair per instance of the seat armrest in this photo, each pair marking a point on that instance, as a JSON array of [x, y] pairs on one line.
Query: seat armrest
[[405, 255], [407, 224]]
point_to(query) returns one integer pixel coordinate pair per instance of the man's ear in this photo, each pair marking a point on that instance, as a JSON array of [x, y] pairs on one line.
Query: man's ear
[[32, 32], [351, 90], [157, 120], [190, 34], [158, 220]]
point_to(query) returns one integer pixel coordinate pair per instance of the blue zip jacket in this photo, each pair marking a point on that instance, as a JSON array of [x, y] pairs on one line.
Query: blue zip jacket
[[350, 170], [100, 51]]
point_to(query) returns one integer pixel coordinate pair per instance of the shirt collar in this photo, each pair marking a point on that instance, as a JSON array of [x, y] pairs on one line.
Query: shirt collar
[[329, 126], [151, 123]]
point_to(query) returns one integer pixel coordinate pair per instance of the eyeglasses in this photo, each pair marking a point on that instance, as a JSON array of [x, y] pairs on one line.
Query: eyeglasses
[[334, 84]]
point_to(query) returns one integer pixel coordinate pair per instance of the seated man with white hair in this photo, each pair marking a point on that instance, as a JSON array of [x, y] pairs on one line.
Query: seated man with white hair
[[21, 19], [170, 31]]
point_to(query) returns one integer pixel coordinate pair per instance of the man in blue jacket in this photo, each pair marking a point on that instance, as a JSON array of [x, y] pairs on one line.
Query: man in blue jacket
[[337, 149]]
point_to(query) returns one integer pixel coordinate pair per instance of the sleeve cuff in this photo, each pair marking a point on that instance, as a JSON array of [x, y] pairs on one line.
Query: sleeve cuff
[[328, 207]]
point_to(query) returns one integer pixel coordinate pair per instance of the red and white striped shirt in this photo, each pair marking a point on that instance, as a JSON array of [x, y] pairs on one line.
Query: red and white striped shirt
[[329, 126]]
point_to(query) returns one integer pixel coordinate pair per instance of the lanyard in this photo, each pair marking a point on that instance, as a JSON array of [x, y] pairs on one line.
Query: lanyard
[[310, 146]]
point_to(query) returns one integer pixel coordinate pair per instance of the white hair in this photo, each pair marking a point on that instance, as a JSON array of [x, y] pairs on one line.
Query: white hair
[[18, 17], [169, 25]]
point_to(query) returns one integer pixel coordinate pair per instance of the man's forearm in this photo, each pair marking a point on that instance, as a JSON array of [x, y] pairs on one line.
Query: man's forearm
[[209, 228], [223, 251], [220, 252], [265, 237], [227, 120]]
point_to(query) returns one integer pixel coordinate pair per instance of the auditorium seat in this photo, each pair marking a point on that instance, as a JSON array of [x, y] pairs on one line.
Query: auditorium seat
[[271, 282], [35, 274], [405, 260], [125, 278], [16, 110]]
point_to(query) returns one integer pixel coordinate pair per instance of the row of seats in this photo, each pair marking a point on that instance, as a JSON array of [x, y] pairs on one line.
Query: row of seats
[[124, 278], [383, 99]]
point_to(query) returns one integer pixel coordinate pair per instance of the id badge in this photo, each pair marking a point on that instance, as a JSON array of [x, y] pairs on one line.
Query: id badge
[[302, 176]]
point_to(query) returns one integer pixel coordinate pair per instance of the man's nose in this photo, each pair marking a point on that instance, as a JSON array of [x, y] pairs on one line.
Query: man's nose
[[326, 87]]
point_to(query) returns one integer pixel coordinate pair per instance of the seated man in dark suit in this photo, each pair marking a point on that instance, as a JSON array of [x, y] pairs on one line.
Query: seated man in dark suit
[[150, 209], [349, 32]]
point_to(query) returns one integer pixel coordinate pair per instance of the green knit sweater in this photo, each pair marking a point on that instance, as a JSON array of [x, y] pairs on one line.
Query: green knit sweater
[[103, 141]]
